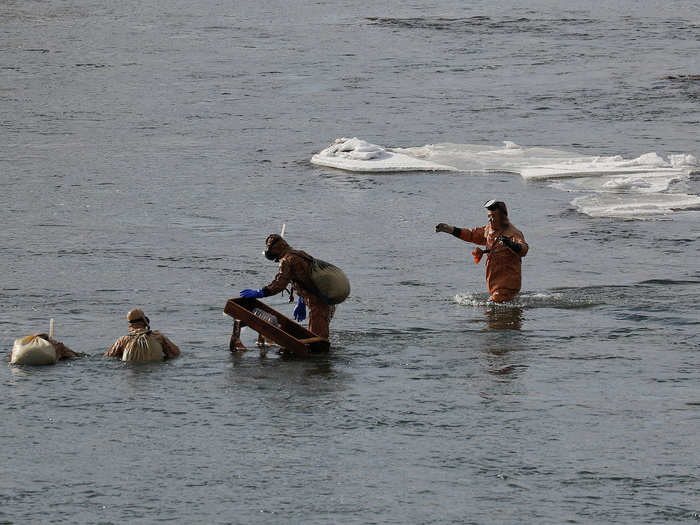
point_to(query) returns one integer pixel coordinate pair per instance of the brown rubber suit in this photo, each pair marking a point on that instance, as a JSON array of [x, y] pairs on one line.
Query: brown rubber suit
[[503, 265], [295, 267], [170, 349]]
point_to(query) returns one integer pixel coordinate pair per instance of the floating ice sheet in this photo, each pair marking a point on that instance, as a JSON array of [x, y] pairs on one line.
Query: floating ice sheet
[[618, 187], [357, 155], [638, 206]]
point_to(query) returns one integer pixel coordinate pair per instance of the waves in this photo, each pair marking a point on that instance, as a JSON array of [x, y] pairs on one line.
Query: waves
[[567, 300], [650, 298], [573, 27]]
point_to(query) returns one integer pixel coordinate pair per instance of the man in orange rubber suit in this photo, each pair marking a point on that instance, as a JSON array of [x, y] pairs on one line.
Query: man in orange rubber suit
[[505, 247], [295, 267]]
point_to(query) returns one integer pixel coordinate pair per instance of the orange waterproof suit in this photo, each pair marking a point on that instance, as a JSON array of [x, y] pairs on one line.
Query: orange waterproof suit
[[295, 267], [503, 265]]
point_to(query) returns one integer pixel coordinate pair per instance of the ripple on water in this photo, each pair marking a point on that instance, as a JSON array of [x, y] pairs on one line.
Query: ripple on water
[[570, 299]]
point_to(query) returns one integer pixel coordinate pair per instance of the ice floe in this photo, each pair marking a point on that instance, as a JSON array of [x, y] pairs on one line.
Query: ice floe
[[358, 155], [615, 186], [639, 206]]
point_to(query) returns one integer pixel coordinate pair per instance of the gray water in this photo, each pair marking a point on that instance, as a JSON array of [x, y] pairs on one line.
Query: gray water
[[148, 148]]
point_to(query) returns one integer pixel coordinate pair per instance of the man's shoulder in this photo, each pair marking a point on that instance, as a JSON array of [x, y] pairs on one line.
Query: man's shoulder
[[118, 346], [297, 254], [169, 347], [160, 336], [122, 341], [295, 257]]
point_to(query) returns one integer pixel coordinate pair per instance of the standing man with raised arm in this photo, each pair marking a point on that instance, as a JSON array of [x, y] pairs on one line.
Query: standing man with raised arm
[[505, 248]]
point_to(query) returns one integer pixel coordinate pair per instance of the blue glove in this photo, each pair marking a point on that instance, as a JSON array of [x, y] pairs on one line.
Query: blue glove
[[252, 294], [300, 311]]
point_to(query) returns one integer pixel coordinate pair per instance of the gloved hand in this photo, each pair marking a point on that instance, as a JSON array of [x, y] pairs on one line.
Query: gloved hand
[[300, 311], [516, 247], [252, 294], [443, 228]]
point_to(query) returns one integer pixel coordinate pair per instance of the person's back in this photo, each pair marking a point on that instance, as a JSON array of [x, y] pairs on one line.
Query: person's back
[[142, 343], [294, 268]]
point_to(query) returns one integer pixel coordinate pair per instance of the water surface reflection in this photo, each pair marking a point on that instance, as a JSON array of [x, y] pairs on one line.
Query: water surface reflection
[[504, 340], [504, 318]]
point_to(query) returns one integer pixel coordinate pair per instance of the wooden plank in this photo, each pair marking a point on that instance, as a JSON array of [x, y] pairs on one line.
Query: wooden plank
[[235, 341], [290, 335], [242, 310], [311, 340]]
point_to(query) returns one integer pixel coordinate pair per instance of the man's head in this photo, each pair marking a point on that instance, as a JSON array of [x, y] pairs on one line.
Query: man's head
[[137, 319], [497, 212], [275, 246]]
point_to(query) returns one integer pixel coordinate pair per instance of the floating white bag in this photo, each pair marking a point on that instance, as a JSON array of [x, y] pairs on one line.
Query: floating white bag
[[33, 350]]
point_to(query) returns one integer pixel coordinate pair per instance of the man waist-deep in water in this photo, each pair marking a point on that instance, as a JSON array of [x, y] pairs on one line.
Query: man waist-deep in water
[[505, 248]]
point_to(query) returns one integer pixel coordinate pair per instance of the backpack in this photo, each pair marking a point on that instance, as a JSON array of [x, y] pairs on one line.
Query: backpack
[[331, 283], [33, 350], [143, 346]]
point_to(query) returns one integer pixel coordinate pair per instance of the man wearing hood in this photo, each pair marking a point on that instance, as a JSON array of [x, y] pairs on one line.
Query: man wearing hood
[[505, 248], [295, 268]]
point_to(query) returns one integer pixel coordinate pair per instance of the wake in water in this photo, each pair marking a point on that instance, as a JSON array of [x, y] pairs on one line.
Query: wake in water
[[565, 299], [651, 295], [615, 187]]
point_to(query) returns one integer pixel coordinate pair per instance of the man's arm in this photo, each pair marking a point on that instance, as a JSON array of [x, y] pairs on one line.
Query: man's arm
[[117, 349], [476, 235], [170, 348], [62, 351], [520, 239], [516, 242], [281, 280]]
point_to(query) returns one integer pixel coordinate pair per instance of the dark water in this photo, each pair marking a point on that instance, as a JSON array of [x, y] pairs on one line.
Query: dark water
[[146, 151]]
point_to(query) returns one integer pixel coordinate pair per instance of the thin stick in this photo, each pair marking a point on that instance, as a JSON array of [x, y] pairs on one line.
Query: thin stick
[[51, 328], [284, 228]]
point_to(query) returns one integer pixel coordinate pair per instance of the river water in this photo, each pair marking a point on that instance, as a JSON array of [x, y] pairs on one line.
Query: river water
[[148, 148]]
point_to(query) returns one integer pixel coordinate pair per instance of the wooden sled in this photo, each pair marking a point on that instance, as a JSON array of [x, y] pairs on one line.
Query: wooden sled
[[292, 337]]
